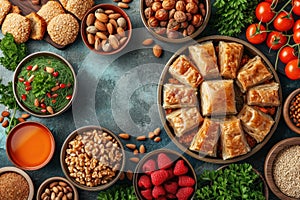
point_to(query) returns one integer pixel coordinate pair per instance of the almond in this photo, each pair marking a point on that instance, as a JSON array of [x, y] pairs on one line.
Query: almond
[[126, 1], [110, 28], [5, 124], [148, 41], [97, 44], [50, 70], [141, 138], [90, 19], [109, 12], [135, 152], [113, 41], [134, 159], [36, 103], [114, 23], [151, 135], [157, 50], [123, 5], [122, 176], [157, 139], [20, 119], [1, 119], [101, 35], [91, 38], [100, 26], [114, 16], [131, 146], [5, 113], [102, 17], [123, 40], [121, 31], [142, 149], [156, 132], [50, 109], [124, 136], [129, 175], [25, 115]]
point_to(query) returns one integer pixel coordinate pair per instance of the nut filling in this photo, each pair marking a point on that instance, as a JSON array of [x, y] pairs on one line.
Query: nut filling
[[93, 158]]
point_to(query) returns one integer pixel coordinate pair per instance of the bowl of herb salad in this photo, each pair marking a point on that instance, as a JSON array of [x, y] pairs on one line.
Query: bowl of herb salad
[[44, 84]]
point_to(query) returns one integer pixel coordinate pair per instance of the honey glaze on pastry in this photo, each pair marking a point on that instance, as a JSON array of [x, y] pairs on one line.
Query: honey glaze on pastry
[[264, 95]]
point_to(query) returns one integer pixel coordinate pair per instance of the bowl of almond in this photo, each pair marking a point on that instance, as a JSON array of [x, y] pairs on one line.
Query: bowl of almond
[[106, 29]]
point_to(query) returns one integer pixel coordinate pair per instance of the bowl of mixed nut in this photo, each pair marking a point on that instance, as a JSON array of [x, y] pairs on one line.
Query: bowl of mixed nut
[[175, 21], [92, 158], [291, 111], [106, 29]]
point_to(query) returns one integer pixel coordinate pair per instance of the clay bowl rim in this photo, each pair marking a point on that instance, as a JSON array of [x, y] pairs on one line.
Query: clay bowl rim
[[52, 145], [111, 7], [155, 153], [251, 50], [15, 80], [47, 182], [269, 161], [286, 109], [180, 40], [64, 165], [23, 174]]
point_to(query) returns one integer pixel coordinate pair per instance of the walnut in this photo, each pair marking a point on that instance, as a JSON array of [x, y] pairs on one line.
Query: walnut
[[197, 20], [153, 22], [168, 4], [180, 16], [171, 13], [161, 14], [191, 8], [180, 5], [163, 23], [156, 6], [173, 25], [148, 13]]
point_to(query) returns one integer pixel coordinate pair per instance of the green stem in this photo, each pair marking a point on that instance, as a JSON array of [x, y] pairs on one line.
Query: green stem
[[276, 14], [287, 44], [11, 119]]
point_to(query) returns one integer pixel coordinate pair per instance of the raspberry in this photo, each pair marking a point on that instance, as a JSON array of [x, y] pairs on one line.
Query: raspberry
[[159, 176], [184, 193], [171, 187], [147, 194], [164, 161], [158, 191], [145, 182], [180, 168], [171, 196], [186, 181], [149, 166]]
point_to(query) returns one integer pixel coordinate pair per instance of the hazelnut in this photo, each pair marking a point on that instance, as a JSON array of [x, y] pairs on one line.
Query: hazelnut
[[197, 20], [168, 4], [191, 8], [153, 22], [156, 6], [148, 3], [180, 16], [190, 29], [148, 13], [173, 25], [161, 14], [180, 5]]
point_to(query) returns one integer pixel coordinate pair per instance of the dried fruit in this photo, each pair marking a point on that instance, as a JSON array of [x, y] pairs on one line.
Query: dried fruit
[[157, 50]]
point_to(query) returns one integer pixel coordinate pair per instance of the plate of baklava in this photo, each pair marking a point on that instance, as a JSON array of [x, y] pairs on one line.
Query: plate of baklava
[[219, 99]]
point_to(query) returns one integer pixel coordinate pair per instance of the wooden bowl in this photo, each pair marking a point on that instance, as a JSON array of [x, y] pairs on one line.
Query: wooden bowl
[[30, 140], [18, 91], [47, 182], [116, 9], [286, 109], [270, 160], [249, 50], [64, 165], [173, 155], [4, 170], [164, 38]]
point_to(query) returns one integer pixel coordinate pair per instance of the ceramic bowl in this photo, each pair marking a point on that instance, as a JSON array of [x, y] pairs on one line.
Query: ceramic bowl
[[4, 170], [153, 156], [286, 111], [181, 39], [269, 165], [91, 45], [30, 145], [52, 182], [91, 155], [39, 104]]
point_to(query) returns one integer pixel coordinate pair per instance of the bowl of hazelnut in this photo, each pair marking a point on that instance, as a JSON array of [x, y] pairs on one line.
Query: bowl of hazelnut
[[92, 158], [106, 29], [175, 21]]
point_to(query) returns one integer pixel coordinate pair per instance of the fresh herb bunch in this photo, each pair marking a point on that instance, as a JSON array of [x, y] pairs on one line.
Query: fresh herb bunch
[[234, 15], [43, 82], [237, 181], [119, 192], [13, 52], [7, 96]]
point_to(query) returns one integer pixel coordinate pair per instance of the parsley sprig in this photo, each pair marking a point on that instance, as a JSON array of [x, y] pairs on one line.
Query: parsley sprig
[[120, 192]]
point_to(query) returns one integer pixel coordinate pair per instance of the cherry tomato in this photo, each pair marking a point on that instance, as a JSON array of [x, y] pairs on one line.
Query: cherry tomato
[[284, 21], [263, 12], [24, 97], [55, 74], [62, 85], [43, 105], [292, 70], [255, 35], [287, 54], [29, 67], [296, 36], [27, 83], [276, 40], [296, 25], [296, 7]]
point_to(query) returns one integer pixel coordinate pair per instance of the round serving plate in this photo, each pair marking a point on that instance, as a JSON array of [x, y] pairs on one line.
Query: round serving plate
[[250, 51]]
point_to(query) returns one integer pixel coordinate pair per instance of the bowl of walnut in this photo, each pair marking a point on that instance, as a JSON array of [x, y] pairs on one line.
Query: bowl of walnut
[[175, 21], [92, 158]]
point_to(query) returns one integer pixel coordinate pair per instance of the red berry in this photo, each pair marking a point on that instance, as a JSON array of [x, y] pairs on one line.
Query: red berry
[[144, 182], [171, 187], [43, 105], [180, 168], [23, 97], [21, 79], [158, 177], [26, 83], [55, 74], [149, 166], [184, 193], [48, 95], [158, 191], [29, 67], [27, 88], [186, 181], [147, 194], [62, 85], [68, 97], [163, 161]]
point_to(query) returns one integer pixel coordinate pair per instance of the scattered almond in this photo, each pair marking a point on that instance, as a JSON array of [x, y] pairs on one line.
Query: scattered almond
[[131, 146], [123, 5], [5, 113], [25, 115], [122, 176], [142, 149], [1, 119], [134, 159], [157, 50], [126, 1], [151, 135], [157, 139], [129, 174], [5, 124], [135, 152], [124, 136], [156, 132], [20, 119], [148, 42], [141, 138]]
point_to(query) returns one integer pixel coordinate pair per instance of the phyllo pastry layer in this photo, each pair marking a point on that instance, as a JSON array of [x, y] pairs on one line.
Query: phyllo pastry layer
[[264, 95]]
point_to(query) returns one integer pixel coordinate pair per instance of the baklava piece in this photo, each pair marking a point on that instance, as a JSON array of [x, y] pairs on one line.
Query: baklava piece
[[256, 123], [264, 95], [218, 97], [184, 71]]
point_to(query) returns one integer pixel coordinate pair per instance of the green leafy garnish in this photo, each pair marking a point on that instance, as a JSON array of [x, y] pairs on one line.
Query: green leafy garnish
[[13, 52], [120, 192], [43, 82], [237, 181], [234, 15]]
